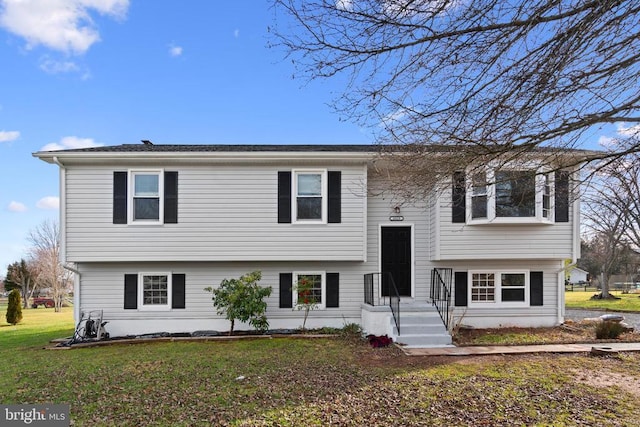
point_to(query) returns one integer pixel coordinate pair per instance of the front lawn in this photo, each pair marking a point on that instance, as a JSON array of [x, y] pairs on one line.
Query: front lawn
[[302, 382], [582, 300]]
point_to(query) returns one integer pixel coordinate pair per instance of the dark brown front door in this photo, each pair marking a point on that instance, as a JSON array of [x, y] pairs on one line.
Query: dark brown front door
[[396, 258]]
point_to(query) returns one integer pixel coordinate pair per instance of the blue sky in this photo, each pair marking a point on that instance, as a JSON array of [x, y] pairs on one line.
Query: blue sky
[[107, 72], [78, 73]]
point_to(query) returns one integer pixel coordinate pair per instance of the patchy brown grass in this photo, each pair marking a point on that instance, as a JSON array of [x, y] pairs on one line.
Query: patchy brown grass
[[570, 333]]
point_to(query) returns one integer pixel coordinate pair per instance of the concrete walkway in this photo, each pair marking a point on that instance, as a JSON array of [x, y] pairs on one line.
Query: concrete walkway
[[602, 348]]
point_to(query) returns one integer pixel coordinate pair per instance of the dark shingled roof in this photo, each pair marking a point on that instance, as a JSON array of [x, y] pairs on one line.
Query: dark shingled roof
[[163, 148]]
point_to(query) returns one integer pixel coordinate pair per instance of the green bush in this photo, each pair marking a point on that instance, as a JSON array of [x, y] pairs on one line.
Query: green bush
[[242, 299], [609, 330], [14, 307]]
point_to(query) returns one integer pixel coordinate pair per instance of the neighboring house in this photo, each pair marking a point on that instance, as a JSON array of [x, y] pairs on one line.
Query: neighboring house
[[578, 275], [148, 227]]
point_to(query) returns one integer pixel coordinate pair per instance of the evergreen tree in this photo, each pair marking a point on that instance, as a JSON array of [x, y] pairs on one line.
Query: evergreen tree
[[14, 309]]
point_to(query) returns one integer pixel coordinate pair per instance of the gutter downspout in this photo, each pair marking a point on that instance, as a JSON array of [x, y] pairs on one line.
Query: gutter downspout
[[63, 240]]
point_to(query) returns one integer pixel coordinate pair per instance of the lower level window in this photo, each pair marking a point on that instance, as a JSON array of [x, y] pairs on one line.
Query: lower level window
[[496, 287], [155, 292], [309, 289]]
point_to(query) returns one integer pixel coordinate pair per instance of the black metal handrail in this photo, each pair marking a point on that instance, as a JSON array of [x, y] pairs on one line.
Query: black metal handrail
[[441, 292], [384, 282]]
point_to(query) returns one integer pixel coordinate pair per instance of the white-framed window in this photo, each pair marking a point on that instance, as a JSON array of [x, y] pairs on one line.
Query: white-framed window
[[154, 291], [146, 196], [505, 288], [317, 289], [510, 195], [309, 196]]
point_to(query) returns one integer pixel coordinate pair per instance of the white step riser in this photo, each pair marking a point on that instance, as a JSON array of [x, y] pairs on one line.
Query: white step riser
[[420, 320], [424, 340], [422, 329]]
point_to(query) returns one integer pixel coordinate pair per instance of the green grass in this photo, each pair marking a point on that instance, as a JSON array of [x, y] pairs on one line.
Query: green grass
[[298, 382], [627, 302]]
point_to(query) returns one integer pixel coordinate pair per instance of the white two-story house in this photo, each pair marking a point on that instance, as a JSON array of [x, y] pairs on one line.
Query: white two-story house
[[148, 227]]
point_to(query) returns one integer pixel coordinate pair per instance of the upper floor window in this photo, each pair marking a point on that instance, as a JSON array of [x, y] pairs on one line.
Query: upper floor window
[[310, 192], [145, 197], [146, 200], [509, 195]]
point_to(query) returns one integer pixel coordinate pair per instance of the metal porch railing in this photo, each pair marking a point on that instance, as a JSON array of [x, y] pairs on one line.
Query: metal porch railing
[[378, 284], [441, 292]]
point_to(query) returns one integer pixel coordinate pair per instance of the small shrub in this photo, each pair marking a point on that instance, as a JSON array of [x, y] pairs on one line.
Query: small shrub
[[351, 332], [609, 330], [14, 307], [242, 299]]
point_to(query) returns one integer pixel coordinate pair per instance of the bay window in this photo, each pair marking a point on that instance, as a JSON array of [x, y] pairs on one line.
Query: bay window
[[509, 195]]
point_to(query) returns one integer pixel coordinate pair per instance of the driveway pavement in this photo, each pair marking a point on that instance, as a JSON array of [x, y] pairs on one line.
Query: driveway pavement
[[632, 319]]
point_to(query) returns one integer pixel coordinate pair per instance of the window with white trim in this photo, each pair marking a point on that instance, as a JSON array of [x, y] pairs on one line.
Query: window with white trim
[[498, 287], [310, 196], [146, 204], [509, 195], [316, 292], [154, 291]]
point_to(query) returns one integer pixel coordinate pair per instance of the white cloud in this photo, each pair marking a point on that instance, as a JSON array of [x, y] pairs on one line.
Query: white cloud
[[346, 5], [71, 142], [52, 66], [62, 25], [17, 207], [236, 33], [628, 131], [175, 50], [623, 131], [48, 203], [11, 135]]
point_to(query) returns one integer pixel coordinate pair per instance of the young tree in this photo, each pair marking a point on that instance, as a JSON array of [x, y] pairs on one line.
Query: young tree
[[491, 78], [14, 308], [307, 299], [45, 252], [242, 299], [20, 275]]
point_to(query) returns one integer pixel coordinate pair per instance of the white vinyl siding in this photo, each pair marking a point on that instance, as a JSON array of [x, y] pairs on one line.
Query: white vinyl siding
[[102, 288], [226, 213], [500, 241]]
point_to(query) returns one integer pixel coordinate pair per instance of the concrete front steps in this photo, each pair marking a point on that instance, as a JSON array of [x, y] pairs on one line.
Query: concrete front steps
[[421, 327]]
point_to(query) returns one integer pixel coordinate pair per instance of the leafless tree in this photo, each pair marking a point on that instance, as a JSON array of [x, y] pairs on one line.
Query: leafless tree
[[489, 77], [44, 252], [612, 212]]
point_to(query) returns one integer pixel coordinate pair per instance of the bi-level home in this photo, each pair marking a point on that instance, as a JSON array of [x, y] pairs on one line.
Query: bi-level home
[[148, 227]]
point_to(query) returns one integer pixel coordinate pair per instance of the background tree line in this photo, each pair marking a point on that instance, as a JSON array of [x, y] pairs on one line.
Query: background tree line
[[41, 271]]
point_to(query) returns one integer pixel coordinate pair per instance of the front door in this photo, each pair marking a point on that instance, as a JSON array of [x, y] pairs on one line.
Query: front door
[[396, 258]]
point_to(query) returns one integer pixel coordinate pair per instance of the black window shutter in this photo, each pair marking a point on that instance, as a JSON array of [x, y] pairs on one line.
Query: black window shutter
[[562, 196], [461, 285], [171, 197], [333, 290], [284, 197], [458, 202], [177, 290], [130, 291], [286, 294], [335, 197], [535, 288], [120, 197]]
